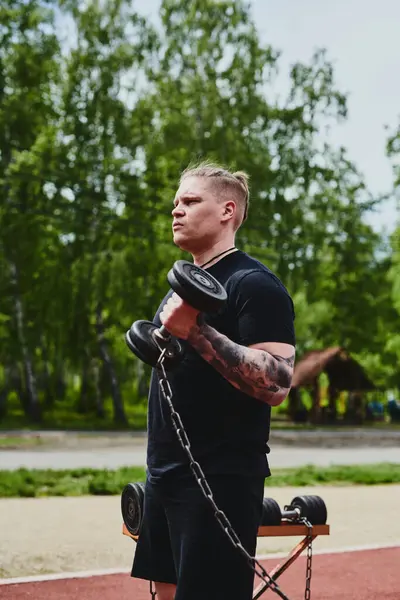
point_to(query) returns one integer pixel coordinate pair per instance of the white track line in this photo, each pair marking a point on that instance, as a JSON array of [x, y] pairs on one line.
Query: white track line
[[67, 575], [124, 571], [331, 550]]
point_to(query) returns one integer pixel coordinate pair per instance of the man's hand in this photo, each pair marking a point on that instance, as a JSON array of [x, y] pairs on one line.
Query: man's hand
[[178, 317]]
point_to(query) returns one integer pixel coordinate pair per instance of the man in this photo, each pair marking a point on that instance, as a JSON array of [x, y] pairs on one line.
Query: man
[[237, 364]]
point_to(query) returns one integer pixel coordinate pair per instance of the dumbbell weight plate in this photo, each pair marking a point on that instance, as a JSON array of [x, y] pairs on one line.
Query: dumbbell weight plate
[[320, 511], [320, 514], [197, 287], [141, 342], [313, 508], [133, 348], [132, 500], [271, 514]]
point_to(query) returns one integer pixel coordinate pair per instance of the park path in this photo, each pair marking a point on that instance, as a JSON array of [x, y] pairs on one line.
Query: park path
[[114, 454]]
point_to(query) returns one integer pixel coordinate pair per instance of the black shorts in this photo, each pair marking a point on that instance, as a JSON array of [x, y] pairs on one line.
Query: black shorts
[[180, 541]]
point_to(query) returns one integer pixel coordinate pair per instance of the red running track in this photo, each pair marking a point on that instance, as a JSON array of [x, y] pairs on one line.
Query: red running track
[[361, 575]]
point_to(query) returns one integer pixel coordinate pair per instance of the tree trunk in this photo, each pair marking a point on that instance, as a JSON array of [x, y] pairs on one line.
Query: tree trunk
[[47, 383], [119, 412], [315, 416], [83, 397], [333, 396], [293, 402], [17, 385], [99, 396], [297, 411], [33, 407], [60, 385], [4, 394]]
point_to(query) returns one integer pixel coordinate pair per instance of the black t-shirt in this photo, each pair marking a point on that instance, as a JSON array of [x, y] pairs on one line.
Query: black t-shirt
[[228, 430]]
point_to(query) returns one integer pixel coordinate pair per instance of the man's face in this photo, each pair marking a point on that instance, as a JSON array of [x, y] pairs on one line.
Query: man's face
[[196, 215]]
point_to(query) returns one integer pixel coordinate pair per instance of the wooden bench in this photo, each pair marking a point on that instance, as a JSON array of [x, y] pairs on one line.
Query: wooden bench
[[285, 529]]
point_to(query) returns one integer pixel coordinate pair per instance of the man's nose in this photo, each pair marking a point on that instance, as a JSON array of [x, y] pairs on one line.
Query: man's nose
[[177, 210]]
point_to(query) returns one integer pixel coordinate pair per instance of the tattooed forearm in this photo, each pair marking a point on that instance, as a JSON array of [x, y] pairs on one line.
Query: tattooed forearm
[[257, 373]]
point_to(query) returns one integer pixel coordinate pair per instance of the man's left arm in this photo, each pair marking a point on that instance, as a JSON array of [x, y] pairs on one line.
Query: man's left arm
[[263, 371]]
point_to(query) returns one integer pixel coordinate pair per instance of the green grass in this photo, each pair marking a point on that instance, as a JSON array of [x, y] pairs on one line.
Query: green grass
[[63, 416], [97, 482], [13, 441], [309, 475], [24, 483]]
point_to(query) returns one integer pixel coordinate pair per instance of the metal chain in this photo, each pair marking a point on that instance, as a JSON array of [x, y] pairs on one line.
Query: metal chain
[[153, 593], [205, 488], [307, 592]]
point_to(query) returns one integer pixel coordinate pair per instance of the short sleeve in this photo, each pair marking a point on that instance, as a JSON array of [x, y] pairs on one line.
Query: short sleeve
[[263, 309]]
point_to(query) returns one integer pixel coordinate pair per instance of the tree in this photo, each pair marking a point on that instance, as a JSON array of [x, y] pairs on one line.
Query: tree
[[28, 74], [393, 272], [94, 136], [211, 99], [96, 153]]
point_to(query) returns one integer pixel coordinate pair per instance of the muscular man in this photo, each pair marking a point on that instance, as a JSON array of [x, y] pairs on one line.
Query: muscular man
[[237, 364]]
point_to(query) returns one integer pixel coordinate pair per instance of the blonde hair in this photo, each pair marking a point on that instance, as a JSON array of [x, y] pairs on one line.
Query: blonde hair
[[236, 182]]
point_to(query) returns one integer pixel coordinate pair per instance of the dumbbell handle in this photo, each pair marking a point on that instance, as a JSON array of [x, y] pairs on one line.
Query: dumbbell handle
[[163, 334], [291, 513]]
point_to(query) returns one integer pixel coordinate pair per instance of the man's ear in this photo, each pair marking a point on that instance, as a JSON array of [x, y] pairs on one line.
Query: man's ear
[[229, 210]]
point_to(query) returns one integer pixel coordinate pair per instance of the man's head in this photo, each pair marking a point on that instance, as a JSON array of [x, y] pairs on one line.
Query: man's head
[[210, 205]]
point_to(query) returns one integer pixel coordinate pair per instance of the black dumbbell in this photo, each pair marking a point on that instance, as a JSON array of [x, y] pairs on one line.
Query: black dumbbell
[[312, 508], [132, 499], [271, 514], [146, 342], [196, 287]]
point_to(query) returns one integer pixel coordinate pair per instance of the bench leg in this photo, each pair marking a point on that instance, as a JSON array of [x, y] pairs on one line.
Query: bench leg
[[281, 568]]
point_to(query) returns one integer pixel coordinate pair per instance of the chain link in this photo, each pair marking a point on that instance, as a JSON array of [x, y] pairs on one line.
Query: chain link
[[307, 592], [153, 592], [220, 516]]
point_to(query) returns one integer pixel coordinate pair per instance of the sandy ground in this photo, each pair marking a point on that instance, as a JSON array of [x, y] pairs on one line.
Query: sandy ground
[[45, 535]]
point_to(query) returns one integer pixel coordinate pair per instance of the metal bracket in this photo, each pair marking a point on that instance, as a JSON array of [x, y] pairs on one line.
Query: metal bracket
[[288, 529]]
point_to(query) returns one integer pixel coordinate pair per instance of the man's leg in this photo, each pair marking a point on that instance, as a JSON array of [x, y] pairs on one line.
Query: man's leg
[[207, 564], [165, 591], [153, 558]]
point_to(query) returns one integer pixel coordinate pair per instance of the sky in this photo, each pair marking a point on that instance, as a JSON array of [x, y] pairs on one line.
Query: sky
[[362, 40]]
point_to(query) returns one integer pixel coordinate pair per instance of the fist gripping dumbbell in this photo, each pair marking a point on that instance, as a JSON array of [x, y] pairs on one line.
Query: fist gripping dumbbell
[[196, 287]]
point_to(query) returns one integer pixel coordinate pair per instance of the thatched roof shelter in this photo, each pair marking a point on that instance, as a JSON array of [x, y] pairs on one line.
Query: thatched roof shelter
[[343, 371]]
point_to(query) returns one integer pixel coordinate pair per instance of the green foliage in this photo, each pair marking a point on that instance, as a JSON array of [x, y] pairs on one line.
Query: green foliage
[[63, 415], [80, 482], [14, 442], [77, 482], [309, 475]]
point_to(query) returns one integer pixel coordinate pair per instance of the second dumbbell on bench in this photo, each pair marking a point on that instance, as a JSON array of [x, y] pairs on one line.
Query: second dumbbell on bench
[[312, 508], [196, 287]]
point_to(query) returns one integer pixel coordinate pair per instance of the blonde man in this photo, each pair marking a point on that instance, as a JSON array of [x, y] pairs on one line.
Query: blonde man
[[237, 365]]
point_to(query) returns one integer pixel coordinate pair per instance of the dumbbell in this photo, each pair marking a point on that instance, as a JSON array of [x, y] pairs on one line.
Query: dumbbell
[[312, 508], [132, 499], [196, 287]]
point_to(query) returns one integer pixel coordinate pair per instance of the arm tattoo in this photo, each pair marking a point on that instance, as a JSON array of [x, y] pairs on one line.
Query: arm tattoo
[[257, 373]]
